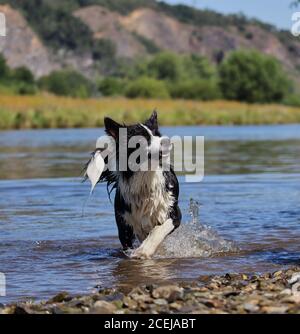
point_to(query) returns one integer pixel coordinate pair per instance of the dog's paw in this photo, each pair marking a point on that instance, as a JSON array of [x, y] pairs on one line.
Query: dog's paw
[[140, 254]]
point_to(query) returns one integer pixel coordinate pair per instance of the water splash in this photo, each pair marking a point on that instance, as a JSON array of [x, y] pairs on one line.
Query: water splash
[[192, 239]]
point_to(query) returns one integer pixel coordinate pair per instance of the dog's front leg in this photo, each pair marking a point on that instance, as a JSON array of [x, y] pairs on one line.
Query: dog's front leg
[[154, 239]]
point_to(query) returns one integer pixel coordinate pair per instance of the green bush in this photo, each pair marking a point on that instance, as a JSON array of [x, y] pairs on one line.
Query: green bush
[[25, 89], [198, 67], [16, 81], [22, 81], [68, 83], [292, 100], [103, 49], [253, 77], [147, 88], [4, 69], [111, 86], [172, 67], [24, 75], [195, 90], [165, 66]]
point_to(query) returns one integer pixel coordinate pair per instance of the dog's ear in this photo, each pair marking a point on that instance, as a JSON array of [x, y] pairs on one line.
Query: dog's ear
[[112, 127], [152, 122]]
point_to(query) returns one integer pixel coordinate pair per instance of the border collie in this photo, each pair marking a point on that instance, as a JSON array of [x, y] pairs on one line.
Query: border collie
[[146, 201]]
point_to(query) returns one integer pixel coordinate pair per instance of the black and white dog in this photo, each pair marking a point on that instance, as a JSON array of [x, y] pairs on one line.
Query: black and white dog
[[146, 202]]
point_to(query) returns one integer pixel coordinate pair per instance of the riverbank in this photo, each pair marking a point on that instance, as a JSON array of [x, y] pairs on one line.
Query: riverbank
[[47, 111], [232, 293]]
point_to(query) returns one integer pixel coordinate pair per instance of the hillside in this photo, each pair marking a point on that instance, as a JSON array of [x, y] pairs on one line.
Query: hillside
[[88, 35], [22, 46]]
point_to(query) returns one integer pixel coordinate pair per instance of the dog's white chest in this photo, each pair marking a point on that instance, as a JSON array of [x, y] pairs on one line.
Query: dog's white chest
[[149, 200]]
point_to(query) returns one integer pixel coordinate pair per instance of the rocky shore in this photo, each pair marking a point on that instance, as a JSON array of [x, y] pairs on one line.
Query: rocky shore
[[277, 292]]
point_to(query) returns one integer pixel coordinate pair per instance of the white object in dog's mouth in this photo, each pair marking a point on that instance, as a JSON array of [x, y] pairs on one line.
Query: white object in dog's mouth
[[95, 169]]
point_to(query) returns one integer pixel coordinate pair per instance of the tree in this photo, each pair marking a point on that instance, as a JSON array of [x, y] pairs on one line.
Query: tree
[[4, 69], [111, 86], [253, 77], [103, 49], [147, 88], [165, 66], [67, 82], [195, 90], [23, 74], [198, 67]]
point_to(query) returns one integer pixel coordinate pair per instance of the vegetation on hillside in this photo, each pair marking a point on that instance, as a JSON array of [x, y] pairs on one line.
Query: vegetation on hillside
[[16, 81], [244, 76], [67, 83], [163, 75], [253, 77]]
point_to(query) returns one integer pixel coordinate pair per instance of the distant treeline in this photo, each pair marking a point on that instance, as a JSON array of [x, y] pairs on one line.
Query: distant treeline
[[247, 76]]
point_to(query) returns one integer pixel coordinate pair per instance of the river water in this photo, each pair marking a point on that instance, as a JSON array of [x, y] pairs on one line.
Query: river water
[[53, 237]]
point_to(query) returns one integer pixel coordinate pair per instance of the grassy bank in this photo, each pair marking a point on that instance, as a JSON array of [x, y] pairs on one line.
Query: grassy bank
[[46, 111]]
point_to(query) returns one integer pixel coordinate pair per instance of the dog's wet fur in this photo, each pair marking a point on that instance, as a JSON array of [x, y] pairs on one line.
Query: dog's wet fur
[[146, 202]]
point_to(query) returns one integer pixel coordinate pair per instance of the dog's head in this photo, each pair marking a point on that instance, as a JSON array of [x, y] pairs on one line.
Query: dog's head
[[142, 141], [148, 129], [129, 149]]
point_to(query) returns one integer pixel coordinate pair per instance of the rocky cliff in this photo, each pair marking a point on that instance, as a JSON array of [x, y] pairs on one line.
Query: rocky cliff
[[128, 32], [22, 47]]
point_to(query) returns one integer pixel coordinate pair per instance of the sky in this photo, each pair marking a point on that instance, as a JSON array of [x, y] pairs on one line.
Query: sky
[[276, 12]]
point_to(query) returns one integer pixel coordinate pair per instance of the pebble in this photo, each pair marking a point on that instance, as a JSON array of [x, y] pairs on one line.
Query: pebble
[[160, 302], [61, 297], [175, 306], [168, 292], [130, 303], [103, 307], [251, 307], [296, 288], [295, 278], [287, 292], [277, 273], [275, 309]]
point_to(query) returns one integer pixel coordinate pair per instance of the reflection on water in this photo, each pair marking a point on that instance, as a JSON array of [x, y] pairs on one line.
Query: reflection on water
[[250, 195], [228, 150]]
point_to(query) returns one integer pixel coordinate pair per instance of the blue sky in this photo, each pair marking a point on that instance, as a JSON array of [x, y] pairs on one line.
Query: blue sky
[[277, 12]]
